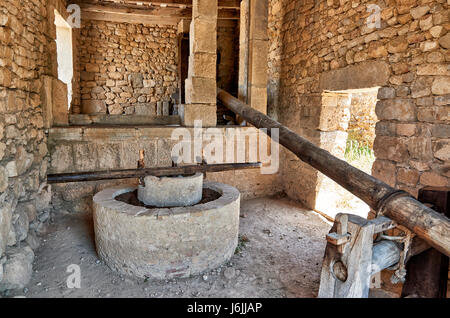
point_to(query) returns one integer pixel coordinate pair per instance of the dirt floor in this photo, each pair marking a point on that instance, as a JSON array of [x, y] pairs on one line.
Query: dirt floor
[[282, 258]]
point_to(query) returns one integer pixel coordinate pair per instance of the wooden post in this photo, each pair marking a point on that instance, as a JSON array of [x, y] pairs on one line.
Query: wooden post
[[141, 165], [347, 267], [427, 273]]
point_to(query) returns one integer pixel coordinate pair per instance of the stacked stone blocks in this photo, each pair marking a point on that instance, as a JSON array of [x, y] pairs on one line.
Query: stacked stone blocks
[[201, 86]]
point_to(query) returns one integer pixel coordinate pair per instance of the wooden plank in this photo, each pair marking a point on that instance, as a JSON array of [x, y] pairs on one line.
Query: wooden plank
[[150, 15], [427, 273], [405, 210], [353, 264]]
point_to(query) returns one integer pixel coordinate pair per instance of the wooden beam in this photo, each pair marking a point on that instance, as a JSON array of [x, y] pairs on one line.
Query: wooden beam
[[222, 4], [150, 15], [394, 204], [137, 173]]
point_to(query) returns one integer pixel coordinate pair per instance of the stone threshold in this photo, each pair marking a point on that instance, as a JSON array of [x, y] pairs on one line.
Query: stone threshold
[[125, 120]]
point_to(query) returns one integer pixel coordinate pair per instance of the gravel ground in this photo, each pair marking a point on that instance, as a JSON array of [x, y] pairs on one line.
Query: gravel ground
[[282, 258]]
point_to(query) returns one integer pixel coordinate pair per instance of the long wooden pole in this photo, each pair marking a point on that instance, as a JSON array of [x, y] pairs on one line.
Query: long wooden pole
[[429, 225], [137, 173]]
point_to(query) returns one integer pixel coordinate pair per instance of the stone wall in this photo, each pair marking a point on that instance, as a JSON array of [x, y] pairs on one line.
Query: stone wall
[[86, 149], [27, 53], [327, 46], [126, 68]]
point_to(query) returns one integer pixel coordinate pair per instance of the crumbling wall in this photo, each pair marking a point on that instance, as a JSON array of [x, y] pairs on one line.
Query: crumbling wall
[[328, 45], [27, 52], [126, 68]]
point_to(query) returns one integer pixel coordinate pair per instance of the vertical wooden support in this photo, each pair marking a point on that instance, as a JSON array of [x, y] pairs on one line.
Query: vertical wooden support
[[347, 266], [183, 64], [141, 164], [244, 33], [427, 273]]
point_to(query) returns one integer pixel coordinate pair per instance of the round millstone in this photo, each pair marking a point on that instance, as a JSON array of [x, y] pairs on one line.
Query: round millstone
[[164, 243], [171, 191]]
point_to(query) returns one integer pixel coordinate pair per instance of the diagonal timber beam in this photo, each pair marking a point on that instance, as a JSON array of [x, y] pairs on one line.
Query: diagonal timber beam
[[431, 226]]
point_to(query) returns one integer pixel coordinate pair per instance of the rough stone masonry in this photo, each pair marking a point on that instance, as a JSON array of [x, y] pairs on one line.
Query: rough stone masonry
[[27, 53], [126, 68]]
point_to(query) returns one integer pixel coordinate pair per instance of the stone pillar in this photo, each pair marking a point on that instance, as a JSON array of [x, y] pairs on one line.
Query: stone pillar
[[200, 86], [257, 55]]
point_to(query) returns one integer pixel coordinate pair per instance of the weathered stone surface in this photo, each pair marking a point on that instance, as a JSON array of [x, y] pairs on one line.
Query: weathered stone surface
[[441, 150], [32, 240], [390, 148], [21, 225], [433, 179], [91, 106], [204, 9], [5, 225], [406, 129], [445, 41], [420, 88], [202, 65], [17, 269], [202, 238], [432, 69], [441, 86], [138, 64], [24, 160], [61, 158], [397, 109], [136, 80], [420, 148], [363, 75], [200, 90], [171, 192], [408, 176], [60, 109], [43, 199], [3, 179], [205, 34], [419, 12]]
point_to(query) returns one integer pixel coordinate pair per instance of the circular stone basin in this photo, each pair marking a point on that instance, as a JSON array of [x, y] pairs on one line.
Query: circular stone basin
[[171, 191], [165, 243]]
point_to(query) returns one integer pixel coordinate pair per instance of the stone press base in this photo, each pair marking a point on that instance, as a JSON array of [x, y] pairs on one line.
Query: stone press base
[[165, 243]]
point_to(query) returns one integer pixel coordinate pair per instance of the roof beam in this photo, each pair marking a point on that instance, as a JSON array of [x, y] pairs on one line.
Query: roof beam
[[150, 15], [222, 4]]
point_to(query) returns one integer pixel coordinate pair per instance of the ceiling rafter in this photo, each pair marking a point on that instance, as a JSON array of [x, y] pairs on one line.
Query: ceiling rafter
[[149, 12]]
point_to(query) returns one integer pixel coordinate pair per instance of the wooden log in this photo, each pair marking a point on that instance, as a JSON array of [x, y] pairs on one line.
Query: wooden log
[[431, 226], [427, 273], [137, 173]]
